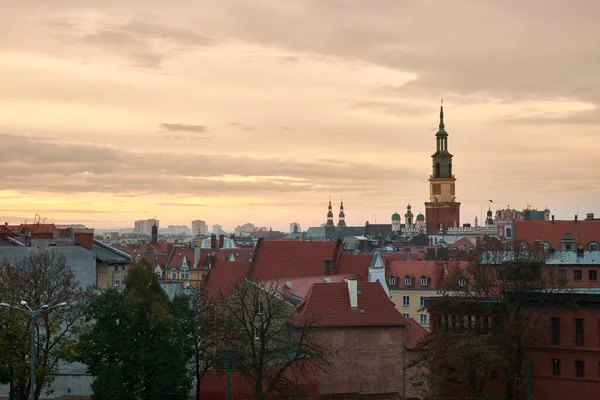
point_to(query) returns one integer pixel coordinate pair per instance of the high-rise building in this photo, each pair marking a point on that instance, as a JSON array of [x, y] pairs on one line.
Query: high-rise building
[[144, 227], [217, 229], [199, 227]]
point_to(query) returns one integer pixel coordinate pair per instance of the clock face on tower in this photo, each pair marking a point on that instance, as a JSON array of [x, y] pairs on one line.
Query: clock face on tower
[[436, 188]]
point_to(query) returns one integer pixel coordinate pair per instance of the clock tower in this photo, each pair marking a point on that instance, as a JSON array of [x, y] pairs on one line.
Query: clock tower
[[442, 211]]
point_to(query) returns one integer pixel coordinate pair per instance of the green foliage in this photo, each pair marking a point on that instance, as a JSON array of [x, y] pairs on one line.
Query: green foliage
[[42, 278], [135, 345]]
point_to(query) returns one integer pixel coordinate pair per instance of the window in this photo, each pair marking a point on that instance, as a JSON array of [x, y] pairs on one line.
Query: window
[[173, 274], [593, 246], [123, 267], [116, 268], [579, 332], [556, 331], [260, 308], [462, 282], [555, 367], [423, 319], [116, 284], [562, 274], [406, 315], [423, 281], [422, 301], [568, 247], [593, 275], [407, 281], [577, 275], [392, 280], [405, 301], [508, 232], [579, 369], [185, 273]]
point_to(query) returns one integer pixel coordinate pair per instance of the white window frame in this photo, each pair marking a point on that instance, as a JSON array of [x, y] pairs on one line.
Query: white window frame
[[407, 281], [407, 302], [406, 315], [116, 285], [422, 301], [173, 274], [424, 281], [462, 282], [593, 246], [392, 280], [423, 319]]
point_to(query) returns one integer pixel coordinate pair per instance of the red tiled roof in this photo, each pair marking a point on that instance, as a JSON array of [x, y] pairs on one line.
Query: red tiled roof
[[414, 334], [430, 269], [239, 254], [155, 260], [356, 265], [224, 276], [462, 242], [301, 286], [330, 304], [286, 259], [177, 256], [584, 231]]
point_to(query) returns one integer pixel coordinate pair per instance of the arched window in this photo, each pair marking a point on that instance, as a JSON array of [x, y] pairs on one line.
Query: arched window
[[508, 232], [437, 170], [546, 245], [593, 246]]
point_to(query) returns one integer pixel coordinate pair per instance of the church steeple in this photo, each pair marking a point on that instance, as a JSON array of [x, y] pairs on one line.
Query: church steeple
[[342, 220], [154, 233], [330, 215], [442, 159]]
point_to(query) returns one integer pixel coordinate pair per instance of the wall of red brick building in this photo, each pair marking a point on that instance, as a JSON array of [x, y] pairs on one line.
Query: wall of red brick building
[[544, 385], [363, 360]]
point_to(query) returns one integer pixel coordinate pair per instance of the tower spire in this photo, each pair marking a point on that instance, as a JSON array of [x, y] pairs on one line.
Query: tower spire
[[442, 126], [330, 214]]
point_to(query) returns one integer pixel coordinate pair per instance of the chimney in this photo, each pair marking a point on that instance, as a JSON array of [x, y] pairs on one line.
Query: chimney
[[353, 293], [575, 218], [196, 256], [537, 245], [86, 239], [221, 241], [590, 216], [553, 219], [213, 241]]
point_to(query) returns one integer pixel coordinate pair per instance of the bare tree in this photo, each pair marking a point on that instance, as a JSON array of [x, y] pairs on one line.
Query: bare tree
[[275, 354], [42, 278], [205, 325], [511, 290]]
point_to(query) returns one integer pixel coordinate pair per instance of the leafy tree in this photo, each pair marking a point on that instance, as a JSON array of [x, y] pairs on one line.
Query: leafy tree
[[205, 326], [513, 291], [274, 355], [134, 344], [42, 278]]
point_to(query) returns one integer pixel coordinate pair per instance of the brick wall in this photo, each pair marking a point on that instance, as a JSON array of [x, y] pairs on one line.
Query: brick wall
[[363, 360]]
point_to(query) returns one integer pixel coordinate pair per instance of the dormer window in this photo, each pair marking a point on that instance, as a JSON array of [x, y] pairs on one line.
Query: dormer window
[[424, 281], [593, 246], [407, 281], [392, 280], [462, 282]]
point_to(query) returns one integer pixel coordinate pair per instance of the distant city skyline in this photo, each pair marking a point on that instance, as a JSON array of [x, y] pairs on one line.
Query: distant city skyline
[[258, 111]]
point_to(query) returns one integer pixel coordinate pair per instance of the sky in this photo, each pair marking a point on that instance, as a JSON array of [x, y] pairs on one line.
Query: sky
[[235, 111]]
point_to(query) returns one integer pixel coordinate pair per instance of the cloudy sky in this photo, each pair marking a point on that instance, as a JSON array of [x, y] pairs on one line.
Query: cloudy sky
[[236, 111]]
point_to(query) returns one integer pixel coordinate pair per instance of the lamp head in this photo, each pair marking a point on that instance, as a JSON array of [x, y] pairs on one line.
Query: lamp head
[[23, 303], [4, 305], [61, 304]]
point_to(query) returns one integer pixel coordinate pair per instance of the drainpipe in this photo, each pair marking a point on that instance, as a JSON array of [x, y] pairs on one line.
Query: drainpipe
[[404, 363]]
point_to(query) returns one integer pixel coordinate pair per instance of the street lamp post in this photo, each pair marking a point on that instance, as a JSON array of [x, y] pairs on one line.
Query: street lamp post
[[32, 315]]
